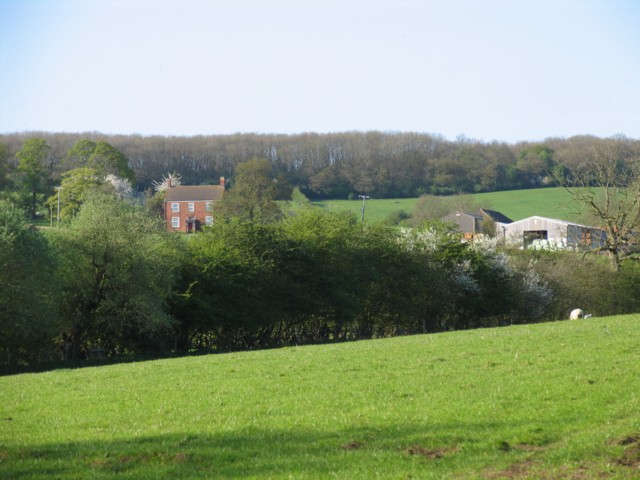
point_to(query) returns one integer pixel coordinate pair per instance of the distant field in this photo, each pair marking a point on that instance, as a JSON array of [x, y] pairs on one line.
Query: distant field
[[516, 204], [519, 204], [550, 401], [375, 209]]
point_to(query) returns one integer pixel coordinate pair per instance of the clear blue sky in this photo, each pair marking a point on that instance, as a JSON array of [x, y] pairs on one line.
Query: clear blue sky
[[487, 69]]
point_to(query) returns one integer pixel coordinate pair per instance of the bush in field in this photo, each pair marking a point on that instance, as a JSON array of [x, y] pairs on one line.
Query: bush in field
[[429, 208], [578, 281], [535, 296], [397, 217], [475, 285]]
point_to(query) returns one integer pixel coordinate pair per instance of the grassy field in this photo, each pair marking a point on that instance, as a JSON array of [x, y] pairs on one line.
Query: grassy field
[[516, 204], [519, 204], [554, 401], [376, 209]]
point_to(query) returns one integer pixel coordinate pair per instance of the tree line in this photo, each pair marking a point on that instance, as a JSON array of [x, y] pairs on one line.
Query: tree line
[[113, 279], [335, 165]]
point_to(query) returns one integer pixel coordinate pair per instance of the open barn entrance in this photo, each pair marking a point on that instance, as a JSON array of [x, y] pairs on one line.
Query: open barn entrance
[[531, 235]]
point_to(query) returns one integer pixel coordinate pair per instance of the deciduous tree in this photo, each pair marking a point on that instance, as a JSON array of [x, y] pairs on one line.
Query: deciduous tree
[[74, 188], [432, 207], [4, 166], [606, 188], [27, 285], [102, 157], [252, 194], [117, 268], [33, 171]]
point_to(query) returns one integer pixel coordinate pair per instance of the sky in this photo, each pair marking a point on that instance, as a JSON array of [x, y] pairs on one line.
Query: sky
[[506, 70]]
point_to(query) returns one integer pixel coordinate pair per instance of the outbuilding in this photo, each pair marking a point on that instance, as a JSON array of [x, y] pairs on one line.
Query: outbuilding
[[542, 232], [472, 224]]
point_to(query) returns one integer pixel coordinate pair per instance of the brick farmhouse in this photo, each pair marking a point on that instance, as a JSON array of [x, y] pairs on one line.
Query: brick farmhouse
[[187, 208]]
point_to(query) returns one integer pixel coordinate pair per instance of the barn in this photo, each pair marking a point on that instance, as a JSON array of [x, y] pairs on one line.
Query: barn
[[541, 232], [471, 224]]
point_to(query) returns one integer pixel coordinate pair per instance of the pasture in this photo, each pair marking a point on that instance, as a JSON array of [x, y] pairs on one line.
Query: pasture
[[516, 204], [557, 400]]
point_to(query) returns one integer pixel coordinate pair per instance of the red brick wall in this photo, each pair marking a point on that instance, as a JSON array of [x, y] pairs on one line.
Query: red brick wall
[[200, 213]]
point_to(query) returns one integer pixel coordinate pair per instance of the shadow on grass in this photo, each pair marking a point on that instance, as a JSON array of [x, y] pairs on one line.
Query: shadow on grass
[[7, 370], [354, 453]]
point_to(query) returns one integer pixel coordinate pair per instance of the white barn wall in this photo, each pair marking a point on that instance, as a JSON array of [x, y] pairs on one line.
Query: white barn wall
[[558, 231]]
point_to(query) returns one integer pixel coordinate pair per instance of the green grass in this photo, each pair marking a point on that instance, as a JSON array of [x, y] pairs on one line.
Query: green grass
[[544, 202], [375, 209], [557, 400], [516, 204]]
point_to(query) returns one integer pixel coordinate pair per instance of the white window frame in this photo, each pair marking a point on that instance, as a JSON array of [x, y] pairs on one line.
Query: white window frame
[[175, 207], [208, 220], [191, 207], [175, 222], [208, 206]]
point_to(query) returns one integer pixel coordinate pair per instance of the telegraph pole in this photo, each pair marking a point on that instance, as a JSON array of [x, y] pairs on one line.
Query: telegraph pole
[[58, 189], [364, 199]]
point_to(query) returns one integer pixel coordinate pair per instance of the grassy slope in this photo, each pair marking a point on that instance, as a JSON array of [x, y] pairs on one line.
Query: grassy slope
[[557, 400], [516, 204], [519, 204]]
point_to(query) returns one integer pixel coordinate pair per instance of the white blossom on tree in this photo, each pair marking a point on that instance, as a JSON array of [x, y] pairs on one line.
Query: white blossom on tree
[[122, 186], [170, 179], [420, 239]]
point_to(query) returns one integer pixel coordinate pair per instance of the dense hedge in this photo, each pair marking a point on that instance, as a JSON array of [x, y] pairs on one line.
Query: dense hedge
[[114, 280]]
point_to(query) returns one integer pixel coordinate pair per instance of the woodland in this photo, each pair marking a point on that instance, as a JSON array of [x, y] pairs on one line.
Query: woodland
[[338, 165]]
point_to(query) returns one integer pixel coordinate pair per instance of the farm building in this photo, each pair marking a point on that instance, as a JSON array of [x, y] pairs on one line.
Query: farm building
[[473, 224], [187, 208], [541, 232]]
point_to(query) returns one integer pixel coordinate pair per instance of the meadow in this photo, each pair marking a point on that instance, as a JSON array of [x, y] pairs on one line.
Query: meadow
[[516, 204], [557, 401]]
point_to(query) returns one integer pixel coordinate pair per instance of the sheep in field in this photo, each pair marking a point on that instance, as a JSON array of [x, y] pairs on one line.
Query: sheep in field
[[576, 314]]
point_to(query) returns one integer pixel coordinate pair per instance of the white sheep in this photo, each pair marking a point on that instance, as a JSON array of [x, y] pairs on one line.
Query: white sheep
[[576, 314]]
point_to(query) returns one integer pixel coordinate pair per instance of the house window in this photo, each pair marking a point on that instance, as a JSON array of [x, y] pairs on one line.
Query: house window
[[175, 207], [208, 206], [192, 207], [208, 220], [175, 222]]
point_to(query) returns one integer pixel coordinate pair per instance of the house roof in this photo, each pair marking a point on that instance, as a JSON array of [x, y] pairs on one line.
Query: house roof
[[191, 193], [496, 216]]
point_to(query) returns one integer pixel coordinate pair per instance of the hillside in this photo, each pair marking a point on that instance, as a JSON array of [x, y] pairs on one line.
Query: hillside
[[557, 400], [516, 204], [519, 204]]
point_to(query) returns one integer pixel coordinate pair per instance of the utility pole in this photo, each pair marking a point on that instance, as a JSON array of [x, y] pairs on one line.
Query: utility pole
[[364, 199], [58, 189]]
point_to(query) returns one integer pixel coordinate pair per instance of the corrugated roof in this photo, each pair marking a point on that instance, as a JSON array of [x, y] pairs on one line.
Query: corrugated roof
[[552, 220], [497, 216], [194, 193]]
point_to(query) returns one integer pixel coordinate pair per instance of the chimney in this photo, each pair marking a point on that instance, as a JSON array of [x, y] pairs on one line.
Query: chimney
[[222, 182], [169, 181]]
